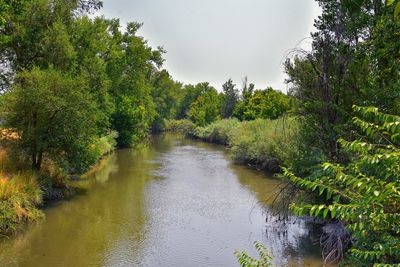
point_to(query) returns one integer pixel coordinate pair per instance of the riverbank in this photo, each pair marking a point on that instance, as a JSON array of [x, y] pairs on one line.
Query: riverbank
[[24, 193], [262, 144]]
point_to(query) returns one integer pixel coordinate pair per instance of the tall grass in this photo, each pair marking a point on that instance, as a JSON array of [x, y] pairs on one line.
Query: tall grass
[[20, 197], [22, 191], [264, 143], [105, 144]]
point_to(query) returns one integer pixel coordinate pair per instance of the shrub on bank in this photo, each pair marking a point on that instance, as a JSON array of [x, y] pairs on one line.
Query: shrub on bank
[[106, 144], [22, 191], [260, 142], [181, 126], [220, 132]]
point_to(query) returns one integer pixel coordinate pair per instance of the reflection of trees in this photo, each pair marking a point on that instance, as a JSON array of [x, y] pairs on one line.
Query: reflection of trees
[[287, 240], [92, 229], [291, 240]]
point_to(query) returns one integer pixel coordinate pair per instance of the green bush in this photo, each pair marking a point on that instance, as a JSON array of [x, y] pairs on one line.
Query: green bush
[[182, 126], [106, 144], [362, 195], [261, 142], [99, 147], [219, 132], [247, 261]]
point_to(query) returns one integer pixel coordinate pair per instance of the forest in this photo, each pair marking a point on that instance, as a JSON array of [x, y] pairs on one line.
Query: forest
[[74, 87]]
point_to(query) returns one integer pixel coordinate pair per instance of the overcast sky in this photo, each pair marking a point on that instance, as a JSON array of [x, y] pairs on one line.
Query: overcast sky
[[214, 40]]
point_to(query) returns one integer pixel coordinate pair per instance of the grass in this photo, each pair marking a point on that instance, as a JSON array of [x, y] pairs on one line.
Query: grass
[[20, 197], [22, 191], [265, 144], [106, 144]]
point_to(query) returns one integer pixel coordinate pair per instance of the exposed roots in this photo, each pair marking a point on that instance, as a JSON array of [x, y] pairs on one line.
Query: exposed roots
[[335, 239]]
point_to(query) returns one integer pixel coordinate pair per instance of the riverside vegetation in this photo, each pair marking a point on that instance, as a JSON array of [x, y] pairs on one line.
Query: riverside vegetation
[[74, 87]]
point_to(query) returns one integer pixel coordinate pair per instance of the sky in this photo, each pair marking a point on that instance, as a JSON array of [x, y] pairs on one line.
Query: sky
[[215, 40]]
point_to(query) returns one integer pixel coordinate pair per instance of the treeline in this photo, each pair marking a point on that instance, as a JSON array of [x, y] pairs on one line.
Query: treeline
[[202, 104], [67, 80]]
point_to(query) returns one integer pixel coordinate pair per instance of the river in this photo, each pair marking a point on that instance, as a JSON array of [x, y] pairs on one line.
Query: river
[[175, 202]]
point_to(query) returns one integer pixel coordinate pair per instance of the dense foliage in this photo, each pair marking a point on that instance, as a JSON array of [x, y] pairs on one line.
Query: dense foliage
[[202, 104], [206, 108], [230, 97], [72, 87], [364, 193], [354, 61], [55, 116], [265, 104], [265, 144], [87, 76]]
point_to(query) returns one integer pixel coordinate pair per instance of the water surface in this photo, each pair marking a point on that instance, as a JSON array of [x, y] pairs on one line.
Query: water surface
[[175, 202]]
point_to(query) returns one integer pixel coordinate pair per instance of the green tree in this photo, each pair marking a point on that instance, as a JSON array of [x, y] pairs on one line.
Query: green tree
[[93, 45], [229, 99], [363, 194], [54, 116], [206, 108], [190, 94], [246, 94], [265, 104], [130, 71], [166, 93]]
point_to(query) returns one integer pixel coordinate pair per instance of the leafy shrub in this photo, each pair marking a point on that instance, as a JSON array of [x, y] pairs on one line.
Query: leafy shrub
[[206, 108], [364, 195], [219, 132], [99, 147], [260, 142], [106, 144], [263, 104], [181, 126], [246, 261]]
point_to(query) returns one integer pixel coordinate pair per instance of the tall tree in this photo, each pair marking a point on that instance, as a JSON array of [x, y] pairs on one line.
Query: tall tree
[[53, 116], [130, 71], [166, 93], [229, 99], [206, 108], [337, 72]]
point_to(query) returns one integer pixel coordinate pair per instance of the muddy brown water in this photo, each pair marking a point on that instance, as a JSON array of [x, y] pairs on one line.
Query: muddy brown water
[[175, 202]]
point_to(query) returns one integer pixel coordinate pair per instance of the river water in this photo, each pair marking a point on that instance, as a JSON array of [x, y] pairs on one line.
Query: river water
[[175, 202]]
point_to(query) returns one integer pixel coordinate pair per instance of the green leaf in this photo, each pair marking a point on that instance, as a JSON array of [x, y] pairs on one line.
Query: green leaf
[[397, 10], [325, 213], [389, 2]]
